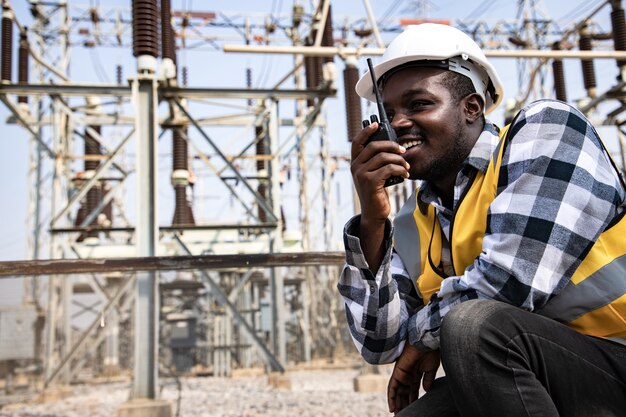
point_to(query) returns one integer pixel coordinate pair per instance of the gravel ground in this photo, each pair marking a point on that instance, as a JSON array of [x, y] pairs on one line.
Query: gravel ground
[[316, 393]]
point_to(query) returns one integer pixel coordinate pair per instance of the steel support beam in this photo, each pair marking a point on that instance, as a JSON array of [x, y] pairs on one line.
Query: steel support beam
[[277, 286], [146, 236], [166, 92]]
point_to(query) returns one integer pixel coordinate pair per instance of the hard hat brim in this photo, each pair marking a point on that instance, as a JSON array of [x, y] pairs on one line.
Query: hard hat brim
[[364, 86]]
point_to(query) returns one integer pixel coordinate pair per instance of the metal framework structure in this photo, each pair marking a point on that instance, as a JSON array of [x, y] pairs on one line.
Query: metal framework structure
[[87, 213]]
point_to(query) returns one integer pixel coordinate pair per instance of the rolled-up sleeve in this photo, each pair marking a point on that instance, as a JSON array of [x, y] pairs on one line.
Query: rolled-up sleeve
[[377, 306]]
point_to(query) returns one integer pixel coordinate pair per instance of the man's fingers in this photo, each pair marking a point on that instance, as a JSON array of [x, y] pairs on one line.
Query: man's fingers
[[429, 378], [380, 159], [392, 390], [379, 155], [361, 145], [414, 389], [403, 401], [398, 390], [360, 140], [379, 175], [397, 395]]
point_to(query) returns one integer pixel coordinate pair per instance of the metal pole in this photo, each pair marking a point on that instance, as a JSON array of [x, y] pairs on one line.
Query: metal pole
[[490, 53], [66, 298], [279, 340], [51, 326], [56, 253], [372, 19], [306, 320], [322, 22], [146, 294], [303, 212], [36, 175], [39, 147]]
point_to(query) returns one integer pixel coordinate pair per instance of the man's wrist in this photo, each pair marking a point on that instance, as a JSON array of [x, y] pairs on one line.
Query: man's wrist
[[372, 223], [354, 243], [357, 223]]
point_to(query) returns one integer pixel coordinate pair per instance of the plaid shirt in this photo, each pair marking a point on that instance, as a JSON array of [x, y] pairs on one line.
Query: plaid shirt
[[557, 191]]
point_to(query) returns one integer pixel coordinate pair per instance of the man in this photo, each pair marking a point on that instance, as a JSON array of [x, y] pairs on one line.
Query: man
[[508, 263]]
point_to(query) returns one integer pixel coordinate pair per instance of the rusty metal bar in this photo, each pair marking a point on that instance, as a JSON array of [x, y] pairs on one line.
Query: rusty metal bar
[[168, 263], [221, 226]]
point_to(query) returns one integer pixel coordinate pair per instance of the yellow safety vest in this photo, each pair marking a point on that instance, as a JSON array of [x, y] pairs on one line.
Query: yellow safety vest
[[593, 303]]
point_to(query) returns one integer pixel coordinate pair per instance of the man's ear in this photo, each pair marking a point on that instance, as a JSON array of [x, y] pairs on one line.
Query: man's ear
[[473, 106]]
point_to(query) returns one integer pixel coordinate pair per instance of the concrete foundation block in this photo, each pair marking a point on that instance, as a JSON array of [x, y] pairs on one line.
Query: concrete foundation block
[[144, 407], [371, 383], [111, 371], [247, 373], [279, 381], [54, 393]]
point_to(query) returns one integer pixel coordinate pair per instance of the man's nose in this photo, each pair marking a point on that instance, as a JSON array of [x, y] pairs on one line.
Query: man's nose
[[400, 121]]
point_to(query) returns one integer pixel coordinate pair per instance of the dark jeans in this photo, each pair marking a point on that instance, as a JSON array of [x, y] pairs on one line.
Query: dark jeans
[[502, 361]]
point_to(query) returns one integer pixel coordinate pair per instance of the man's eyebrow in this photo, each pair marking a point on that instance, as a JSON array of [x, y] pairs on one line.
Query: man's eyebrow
[[413, 92], [410, 93]]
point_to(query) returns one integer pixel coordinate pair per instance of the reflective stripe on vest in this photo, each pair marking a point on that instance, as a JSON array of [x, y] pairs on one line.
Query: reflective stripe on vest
[[593, 302], [404, 239]]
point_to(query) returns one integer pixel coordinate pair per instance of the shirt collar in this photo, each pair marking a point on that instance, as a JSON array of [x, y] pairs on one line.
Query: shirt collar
[[485, 145]]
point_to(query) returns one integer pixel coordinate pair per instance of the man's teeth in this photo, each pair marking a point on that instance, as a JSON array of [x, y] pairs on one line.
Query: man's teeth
[[409, 145]]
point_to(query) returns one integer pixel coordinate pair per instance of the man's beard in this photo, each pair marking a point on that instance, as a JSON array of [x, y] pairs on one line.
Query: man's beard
[[453, 158]]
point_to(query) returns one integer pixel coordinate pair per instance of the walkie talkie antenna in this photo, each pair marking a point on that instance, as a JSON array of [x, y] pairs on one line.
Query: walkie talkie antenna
[[379, 101], [384, 131]]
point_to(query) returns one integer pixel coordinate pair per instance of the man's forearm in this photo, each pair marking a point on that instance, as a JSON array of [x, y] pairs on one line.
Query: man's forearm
[[377, 308], [372, 236]]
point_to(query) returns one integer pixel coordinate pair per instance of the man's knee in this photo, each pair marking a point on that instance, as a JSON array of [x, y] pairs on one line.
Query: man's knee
[[467, 318], [468, 323]]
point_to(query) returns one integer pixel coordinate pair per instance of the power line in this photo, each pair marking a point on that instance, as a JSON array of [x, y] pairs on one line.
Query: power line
[[582, 8], [480, 9], [391, 9]]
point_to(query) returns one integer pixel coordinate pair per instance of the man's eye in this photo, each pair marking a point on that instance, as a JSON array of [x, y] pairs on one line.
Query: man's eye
[[390, 115], [417, 104]]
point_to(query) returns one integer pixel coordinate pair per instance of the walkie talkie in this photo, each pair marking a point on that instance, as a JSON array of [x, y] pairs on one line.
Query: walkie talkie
[[384, 131]]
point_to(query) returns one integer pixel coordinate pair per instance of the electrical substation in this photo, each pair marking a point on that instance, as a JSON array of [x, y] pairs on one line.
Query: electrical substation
[[189, 173]]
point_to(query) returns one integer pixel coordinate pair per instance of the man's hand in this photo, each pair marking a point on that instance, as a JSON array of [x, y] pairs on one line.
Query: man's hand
[[411, 368], [372, 163]]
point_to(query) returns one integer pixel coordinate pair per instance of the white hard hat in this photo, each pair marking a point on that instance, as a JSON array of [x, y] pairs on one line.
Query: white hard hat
[[447, 47]]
